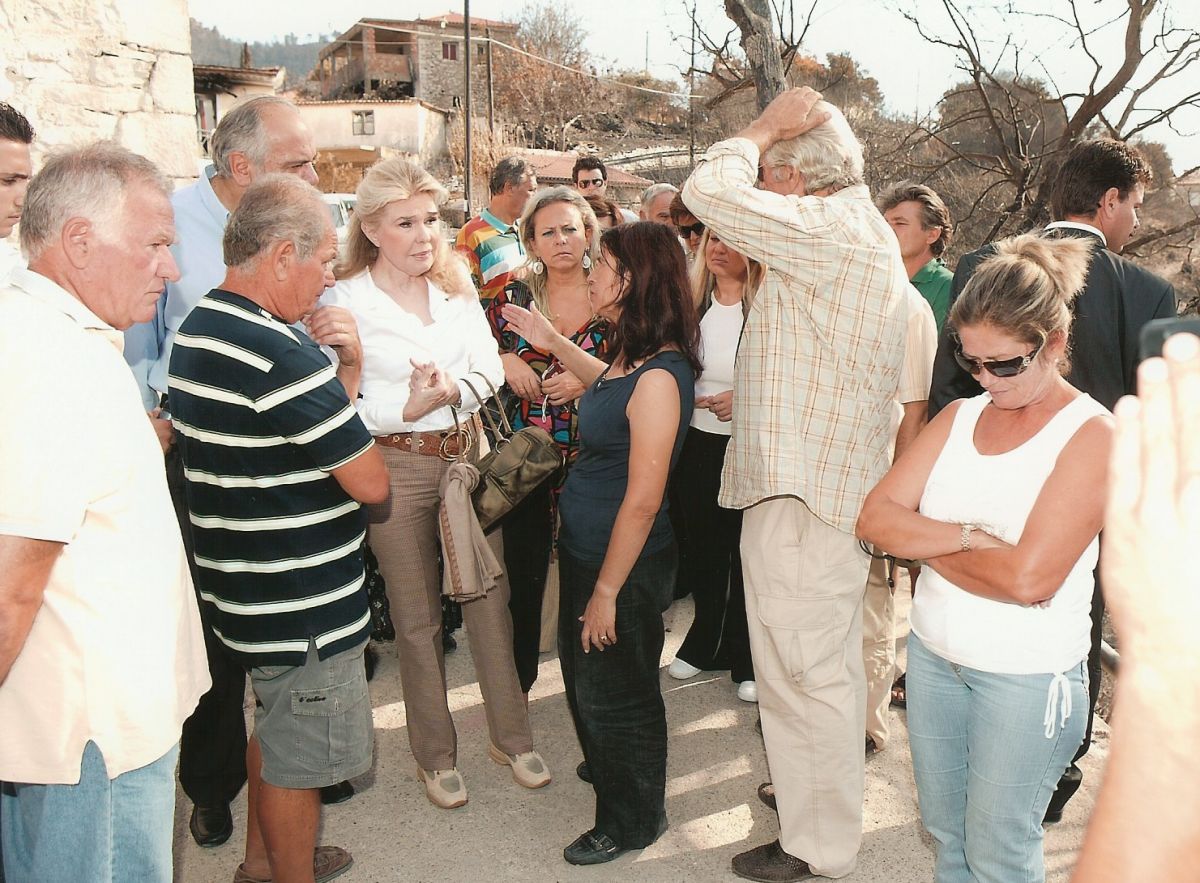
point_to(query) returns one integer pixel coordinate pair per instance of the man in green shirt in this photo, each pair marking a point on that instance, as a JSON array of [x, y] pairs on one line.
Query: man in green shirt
[[921, 223]]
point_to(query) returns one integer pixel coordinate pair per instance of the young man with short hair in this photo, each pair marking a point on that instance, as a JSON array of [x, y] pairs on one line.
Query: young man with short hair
[[921, 222], [591, 177], [16, 168]]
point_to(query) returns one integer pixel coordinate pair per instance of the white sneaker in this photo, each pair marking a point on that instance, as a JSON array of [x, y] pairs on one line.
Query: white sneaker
[[528, 769], [444, 788], [748, 691], [681, 670]]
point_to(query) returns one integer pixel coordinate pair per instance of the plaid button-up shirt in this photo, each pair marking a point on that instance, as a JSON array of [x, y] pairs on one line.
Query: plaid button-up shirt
[[818, 366]]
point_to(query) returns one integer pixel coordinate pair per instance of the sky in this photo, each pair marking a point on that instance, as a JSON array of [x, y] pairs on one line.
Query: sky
[[912, 73]]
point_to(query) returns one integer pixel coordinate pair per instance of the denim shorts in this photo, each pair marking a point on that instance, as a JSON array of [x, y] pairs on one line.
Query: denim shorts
[[313, 722]]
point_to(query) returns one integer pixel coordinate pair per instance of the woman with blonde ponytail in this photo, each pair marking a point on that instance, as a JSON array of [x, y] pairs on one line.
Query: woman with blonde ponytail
[[1003, 496], [426, 349]]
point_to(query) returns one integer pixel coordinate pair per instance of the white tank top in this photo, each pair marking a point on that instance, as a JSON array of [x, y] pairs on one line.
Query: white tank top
[[997, 493]]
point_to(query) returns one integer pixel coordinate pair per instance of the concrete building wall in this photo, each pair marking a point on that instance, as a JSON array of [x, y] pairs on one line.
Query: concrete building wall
[[83, 70], [408, 126]]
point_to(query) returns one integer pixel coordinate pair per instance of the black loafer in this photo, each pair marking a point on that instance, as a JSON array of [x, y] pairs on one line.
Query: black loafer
[[593, 848], [766, 793], [211, 825], [339, 793], [584, 771], [1067, 786], [770, 864]]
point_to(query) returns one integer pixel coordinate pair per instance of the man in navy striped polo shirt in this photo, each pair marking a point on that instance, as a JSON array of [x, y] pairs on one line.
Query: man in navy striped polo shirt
[[277, 463]]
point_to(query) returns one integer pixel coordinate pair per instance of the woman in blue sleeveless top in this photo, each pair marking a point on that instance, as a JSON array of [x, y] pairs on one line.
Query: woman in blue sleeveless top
[[616, 552]]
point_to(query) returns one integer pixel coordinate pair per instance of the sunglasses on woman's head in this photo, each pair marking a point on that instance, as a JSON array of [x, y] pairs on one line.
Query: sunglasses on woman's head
[[997, 368], [689, 230]]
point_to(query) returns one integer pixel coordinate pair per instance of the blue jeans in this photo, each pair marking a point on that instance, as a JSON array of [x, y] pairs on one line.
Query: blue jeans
[[615, 698], [99, 831], [984, 766]]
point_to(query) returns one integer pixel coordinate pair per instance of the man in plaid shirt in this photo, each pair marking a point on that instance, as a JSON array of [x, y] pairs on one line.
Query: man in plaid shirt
[[817, 372]]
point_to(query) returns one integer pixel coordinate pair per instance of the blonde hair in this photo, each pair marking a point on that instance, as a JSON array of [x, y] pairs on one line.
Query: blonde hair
[[704, 282], [388, 181], [1026, 288], [540, 200]]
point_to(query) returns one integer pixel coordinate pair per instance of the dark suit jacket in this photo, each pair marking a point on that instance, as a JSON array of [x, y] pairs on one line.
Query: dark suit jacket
[[1118, 298]]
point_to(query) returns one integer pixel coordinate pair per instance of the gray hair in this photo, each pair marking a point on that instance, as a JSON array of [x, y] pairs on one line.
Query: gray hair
[[89, 182], [827, 156], [242, 131], [509, 172], [654, 191], [276, 208]]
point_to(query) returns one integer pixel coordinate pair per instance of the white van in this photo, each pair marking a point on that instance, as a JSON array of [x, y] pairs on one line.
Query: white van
[[341, 207]]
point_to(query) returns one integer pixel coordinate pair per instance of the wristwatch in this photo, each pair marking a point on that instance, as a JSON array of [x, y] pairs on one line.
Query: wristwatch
[[965, 537]]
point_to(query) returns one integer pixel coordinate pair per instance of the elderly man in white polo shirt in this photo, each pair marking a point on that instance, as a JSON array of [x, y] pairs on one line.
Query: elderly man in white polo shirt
[[101, 653]]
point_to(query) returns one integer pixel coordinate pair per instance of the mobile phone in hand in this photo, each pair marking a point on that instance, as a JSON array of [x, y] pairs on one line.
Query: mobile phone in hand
[[1154, 334]]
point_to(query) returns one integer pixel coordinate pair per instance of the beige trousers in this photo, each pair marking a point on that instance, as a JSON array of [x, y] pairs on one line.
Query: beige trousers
[[403, 536], [804, 592], [879, 650]]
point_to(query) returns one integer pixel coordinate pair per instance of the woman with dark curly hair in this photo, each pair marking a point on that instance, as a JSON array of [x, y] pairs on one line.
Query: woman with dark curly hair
[[617, 555]]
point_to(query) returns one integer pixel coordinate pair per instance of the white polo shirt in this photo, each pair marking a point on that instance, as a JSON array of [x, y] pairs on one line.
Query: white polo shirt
[[115, 654]]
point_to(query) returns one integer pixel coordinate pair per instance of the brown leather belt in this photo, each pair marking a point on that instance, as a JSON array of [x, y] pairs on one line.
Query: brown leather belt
[[448, 444]]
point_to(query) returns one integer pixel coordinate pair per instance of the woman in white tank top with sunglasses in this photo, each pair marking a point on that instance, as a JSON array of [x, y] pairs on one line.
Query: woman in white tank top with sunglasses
[[1003, 496]]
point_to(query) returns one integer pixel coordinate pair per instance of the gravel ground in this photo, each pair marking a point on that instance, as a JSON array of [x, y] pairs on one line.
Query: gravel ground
[[508, 834]]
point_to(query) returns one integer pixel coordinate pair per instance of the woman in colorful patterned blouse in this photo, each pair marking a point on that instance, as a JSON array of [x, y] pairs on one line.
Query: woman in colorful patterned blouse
[[559, 232]]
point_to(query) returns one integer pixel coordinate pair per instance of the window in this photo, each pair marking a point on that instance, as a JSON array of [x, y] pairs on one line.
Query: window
[[450, 51], [364, 122]]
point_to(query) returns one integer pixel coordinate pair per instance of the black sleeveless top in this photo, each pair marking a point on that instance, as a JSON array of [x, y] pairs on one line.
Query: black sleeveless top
[[596, 484]]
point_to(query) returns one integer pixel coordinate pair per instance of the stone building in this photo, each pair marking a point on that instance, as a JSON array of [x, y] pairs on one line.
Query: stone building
[[422, 59], [83, 70]]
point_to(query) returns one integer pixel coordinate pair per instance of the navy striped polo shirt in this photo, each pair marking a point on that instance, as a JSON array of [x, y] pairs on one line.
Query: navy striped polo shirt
[[261, 420]]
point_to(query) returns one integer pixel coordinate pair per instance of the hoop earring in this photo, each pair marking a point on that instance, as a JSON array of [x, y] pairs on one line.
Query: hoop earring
[[587, 261], [538, 268]]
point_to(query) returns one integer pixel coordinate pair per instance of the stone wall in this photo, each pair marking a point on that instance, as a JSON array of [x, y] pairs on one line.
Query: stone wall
[[440, 81], [83, 70]]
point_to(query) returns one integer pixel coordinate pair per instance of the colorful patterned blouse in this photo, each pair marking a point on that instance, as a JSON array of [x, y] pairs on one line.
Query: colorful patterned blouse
[[561, 421]]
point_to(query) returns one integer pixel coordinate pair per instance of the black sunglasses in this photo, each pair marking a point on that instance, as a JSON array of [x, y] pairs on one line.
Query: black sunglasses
[[686, 230], [999, 368]]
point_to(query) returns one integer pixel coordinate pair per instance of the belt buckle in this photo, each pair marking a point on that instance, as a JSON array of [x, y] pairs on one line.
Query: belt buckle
[[465, 441]]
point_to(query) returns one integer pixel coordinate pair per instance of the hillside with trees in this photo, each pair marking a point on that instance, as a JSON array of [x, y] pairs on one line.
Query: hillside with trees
[[210, 46]]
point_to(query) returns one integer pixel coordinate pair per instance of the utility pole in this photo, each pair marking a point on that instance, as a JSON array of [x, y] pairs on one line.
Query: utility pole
[[467, 111], [490, 85], [691, 100]]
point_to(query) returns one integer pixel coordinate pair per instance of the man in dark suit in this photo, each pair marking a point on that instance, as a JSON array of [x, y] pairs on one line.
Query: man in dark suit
[[1096, 196]]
